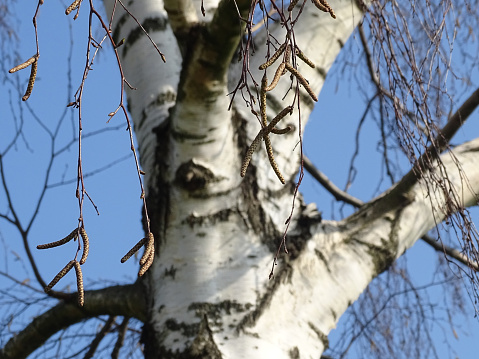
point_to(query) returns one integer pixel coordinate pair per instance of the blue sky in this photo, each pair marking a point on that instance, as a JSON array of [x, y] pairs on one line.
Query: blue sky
[[116, 191]]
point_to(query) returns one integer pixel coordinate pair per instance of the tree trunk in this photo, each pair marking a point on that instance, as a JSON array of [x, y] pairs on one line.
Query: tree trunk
[[208, 291]]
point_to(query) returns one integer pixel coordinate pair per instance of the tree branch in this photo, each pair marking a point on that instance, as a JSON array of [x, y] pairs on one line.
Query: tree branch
[[451, 252], [337, 193], [212, 53], [340, 195], [125, 300], [438, 145], [99, 337], [182, 16]]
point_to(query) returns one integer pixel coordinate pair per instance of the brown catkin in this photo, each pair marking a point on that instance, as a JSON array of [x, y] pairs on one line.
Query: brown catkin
[[292, 4], [272, 162], [135, 249], [23, 65], [59, 276], [324, 6], [147, 264], [281, 131], [81, 292], [278, 118], [269, 147], [303, 81], [72, 7], [249, 153], [86, 245], [73, 234], [277, 76], [303, 57], [31, 80], [264, 131], [149, 249], [262, 103], [273, 58], [287, 54]]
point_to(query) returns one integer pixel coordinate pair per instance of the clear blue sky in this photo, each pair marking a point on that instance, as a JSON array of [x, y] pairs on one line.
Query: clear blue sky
[[329, 141]]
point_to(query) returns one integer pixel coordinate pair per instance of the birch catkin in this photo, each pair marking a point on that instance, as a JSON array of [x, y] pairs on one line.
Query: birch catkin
[[302, 80], [135, 249], [324, 6], [86, 245], [277, 76], [147, 265], [74, 5], [262, 100], [281, 131], [148, 256], [23, 65], [303, 57], [264, 131], [81, 292], [272, 162], [59, 276], [149, 249], [31, 80], [273, 58], [292, 4], [73, 234]]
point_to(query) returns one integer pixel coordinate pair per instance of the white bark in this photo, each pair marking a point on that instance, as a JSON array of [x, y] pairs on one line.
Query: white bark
[[156, 82], [343, 257]]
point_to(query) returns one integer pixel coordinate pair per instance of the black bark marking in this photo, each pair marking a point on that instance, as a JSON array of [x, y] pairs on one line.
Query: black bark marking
[[193, 177], [150, 25]]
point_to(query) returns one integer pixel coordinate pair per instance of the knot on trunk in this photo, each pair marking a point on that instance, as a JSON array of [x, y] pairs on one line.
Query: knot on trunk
[[192, 176]]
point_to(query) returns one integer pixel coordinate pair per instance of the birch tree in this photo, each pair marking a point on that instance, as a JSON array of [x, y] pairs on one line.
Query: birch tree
[[233, 263]]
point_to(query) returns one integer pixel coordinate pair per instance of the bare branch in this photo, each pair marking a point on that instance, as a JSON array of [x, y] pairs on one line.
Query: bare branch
[[339, 194], [99, 337], [214, 49], [439, 144], [347, 198], [121, 338], [182, 16], [451, 252], [126, 300]]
